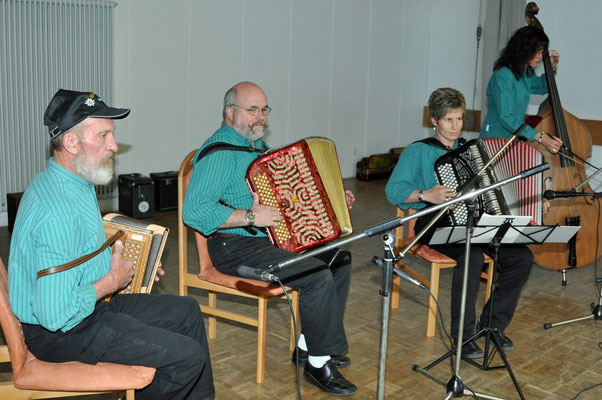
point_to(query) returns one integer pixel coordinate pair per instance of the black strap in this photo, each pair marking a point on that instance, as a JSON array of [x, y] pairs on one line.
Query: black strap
[[432, 141], [213, 147]]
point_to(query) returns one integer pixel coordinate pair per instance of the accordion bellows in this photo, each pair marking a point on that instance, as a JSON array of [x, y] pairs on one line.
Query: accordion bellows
[[144, 245], [303, 181]]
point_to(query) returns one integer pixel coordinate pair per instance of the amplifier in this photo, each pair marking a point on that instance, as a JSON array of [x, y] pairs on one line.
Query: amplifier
[[136, 195], [12, 203], [166, 190]]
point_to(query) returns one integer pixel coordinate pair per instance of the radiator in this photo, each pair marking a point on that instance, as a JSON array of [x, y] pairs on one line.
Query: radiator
[[46, 45]]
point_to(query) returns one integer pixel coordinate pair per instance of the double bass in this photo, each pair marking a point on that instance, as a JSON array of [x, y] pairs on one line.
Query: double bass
[[565, 174]]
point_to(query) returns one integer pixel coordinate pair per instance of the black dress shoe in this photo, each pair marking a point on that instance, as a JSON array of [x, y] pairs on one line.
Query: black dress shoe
[[504, 341], [339, 361], [329, 379], [470, 350]]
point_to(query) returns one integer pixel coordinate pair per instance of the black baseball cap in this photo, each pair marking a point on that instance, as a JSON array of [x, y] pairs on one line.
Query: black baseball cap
[[68, 108]]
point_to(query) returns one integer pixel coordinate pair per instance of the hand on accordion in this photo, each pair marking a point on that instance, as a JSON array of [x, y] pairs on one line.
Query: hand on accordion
[[350, 198], [122, 270], [160, 271], [264, 215], [439, 194]]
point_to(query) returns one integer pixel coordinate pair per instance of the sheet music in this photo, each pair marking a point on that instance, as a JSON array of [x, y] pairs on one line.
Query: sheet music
[[517, 234], [498, 220], [540, 234]]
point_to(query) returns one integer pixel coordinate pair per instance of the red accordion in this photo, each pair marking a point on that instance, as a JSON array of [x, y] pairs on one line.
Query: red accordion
[[303, 181]]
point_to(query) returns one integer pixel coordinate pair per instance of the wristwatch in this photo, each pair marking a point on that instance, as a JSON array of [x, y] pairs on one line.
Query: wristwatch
[[420, 195], [250, 217]]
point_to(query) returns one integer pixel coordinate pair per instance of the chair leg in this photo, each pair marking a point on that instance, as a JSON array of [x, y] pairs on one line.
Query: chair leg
[[295, 301], [489, 278], [262, 325], [130, 394], [395, 290], [212, 319], [431, 317]]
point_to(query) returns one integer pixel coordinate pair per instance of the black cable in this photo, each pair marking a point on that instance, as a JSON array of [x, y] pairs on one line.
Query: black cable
[[290, 305], [586, 389], [596, 281]]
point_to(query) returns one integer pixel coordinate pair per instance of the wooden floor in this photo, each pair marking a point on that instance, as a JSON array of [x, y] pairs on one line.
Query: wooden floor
[[549, 364]]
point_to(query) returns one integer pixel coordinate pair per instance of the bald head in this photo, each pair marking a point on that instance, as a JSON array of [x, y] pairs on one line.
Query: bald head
[[245, 110]]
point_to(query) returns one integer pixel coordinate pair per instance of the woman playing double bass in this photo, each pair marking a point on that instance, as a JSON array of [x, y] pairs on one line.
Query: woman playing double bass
[[512, 83]]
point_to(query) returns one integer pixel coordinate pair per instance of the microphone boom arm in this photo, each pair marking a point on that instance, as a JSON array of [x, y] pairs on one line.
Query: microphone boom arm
[[394, 223]]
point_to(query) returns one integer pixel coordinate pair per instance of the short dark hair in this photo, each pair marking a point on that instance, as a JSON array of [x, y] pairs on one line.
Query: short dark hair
[[444, 100], [521, 47]]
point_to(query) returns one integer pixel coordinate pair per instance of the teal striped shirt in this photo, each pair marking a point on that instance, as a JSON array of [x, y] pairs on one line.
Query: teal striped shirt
[[219, 175], [508, 100], [415, 170], [58, 221]]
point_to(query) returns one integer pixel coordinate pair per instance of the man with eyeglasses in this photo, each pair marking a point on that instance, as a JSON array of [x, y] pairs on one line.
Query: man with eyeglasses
[[219, 205]]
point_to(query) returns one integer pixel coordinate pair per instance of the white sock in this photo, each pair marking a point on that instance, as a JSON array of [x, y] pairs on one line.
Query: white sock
[[301, 343], [318, 361]]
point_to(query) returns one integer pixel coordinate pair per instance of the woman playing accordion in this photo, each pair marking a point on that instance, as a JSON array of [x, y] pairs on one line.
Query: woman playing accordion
[[413, 184]]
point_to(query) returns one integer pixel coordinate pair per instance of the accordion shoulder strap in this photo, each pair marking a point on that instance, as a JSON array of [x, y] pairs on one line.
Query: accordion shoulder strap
[[81, 260], [432, 141], [226, 146]]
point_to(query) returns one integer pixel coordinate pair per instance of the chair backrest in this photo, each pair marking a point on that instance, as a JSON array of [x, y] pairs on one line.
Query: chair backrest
[[11, 326], [184, 175]]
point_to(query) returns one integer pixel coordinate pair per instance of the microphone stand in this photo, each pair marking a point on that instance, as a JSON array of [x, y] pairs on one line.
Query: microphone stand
[[386, 229]]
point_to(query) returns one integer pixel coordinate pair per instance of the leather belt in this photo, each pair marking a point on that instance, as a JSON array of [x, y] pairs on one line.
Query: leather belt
[[219, 235]]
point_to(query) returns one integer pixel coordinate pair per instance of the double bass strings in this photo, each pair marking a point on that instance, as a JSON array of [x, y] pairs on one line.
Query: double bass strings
[[565, 151]]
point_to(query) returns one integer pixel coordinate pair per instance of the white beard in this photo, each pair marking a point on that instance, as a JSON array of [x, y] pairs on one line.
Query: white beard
[[95, 174]]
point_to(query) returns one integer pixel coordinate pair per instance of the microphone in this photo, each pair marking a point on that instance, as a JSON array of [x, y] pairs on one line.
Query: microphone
[[256, 273], [403, 275], [551, 194]]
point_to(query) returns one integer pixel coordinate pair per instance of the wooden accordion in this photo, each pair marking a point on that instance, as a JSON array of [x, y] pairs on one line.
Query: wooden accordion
[[143, 246], [456, 168], [303, 181]]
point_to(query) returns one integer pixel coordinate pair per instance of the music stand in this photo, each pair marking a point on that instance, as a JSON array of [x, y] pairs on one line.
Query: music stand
[[495, 230]]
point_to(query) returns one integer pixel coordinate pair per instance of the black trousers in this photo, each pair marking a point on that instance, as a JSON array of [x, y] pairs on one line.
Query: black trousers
[[322, 290], [162, 331], [514, 265]]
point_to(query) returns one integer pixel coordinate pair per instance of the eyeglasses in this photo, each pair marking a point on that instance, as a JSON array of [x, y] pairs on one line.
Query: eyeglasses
[[254, 111]]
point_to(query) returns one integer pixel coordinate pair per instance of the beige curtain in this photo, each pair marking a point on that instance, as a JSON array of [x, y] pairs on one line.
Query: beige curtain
[[502, 18]]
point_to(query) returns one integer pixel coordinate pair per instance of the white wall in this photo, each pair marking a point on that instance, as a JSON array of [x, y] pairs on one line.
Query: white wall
[[357, 71]]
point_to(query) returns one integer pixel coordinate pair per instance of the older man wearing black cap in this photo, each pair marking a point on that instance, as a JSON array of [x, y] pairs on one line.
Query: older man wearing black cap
[[62, 314]]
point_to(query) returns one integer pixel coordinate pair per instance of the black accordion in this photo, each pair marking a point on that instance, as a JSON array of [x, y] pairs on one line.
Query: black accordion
[[455, 170]]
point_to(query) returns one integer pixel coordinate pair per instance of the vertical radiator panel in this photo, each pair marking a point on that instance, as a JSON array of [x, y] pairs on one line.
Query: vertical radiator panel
[[46, 45]]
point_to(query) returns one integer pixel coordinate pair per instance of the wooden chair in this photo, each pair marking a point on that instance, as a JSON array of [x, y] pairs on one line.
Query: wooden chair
[[210, 279], [438, 261], [35, 379]]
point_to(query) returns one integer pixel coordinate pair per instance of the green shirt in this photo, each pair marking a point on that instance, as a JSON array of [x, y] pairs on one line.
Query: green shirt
[[219, 175], [508, 100], [58, 221], [415, 170]]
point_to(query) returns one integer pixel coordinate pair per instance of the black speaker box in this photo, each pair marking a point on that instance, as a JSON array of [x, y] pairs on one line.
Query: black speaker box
[[136, 195], [12, 205], [166, 190]]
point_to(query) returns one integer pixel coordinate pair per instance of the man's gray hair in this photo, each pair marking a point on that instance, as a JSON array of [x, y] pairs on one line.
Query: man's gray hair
[[229, 99], [57, 142]]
